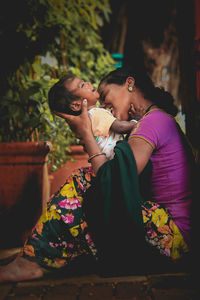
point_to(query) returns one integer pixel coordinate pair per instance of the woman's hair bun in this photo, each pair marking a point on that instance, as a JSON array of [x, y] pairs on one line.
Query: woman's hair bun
[[165, 101]]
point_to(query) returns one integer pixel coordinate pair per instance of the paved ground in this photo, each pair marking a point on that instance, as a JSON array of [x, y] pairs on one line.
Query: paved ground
[[178, 286]]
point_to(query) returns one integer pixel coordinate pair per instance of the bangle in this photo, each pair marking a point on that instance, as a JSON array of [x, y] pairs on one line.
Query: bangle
[[94, 155]]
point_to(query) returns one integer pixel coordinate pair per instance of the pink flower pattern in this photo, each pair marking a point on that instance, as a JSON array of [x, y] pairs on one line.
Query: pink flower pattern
[[70, 203], [68, 219]]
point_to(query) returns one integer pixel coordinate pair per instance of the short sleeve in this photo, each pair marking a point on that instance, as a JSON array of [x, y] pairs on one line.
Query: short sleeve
[[152, 128], [101, 120]]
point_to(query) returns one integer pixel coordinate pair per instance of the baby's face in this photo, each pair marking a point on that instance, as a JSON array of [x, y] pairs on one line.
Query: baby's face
[[85, 90]]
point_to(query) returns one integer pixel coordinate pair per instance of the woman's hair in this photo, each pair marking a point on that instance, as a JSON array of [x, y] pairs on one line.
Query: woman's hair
[[143, 82], [60, 97]]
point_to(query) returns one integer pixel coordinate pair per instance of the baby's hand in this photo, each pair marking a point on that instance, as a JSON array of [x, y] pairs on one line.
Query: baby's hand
[[136, 112]]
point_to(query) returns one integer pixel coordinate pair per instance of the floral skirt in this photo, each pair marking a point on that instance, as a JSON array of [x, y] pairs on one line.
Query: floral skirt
[[61, 235]]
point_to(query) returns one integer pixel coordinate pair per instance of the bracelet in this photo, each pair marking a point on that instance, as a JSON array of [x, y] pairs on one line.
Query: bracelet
[[94, 155]]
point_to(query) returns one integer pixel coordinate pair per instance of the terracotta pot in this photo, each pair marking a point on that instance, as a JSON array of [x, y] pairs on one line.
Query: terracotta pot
[[24, 189]]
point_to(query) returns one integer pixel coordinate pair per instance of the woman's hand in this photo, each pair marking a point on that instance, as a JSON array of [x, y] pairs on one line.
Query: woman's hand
[[80, 125]]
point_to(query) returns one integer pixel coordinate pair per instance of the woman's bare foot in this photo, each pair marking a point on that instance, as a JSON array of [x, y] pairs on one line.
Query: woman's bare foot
[[20, 269]]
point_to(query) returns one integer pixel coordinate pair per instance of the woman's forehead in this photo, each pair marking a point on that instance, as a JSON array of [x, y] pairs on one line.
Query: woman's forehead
[[105, 89]]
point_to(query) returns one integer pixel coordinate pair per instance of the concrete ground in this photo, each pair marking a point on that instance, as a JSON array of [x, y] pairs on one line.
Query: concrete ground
[[178, 286]]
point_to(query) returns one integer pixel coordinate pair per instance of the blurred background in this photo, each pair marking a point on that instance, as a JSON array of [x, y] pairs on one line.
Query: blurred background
[[42, 40]]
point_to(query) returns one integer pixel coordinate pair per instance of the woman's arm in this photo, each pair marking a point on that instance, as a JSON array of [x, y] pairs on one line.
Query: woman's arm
[[81, 126], [92, 148], [142, 152]]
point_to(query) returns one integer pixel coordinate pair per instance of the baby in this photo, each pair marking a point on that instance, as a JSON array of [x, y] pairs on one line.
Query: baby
[[67, 95]]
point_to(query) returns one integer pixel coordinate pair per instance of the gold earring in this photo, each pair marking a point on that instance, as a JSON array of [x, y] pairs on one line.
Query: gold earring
[[130, 88]]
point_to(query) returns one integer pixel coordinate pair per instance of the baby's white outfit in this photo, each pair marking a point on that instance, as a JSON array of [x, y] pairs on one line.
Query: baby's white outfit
[[102, 120]]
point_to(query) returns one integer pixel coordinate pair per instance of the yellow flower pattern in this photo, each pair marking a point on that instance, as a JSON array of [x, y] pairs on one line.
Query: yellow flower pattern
[[69, 190], [159, 218], [178, 245], [48, 215], [55, 263], [74, 230], [162, 232]]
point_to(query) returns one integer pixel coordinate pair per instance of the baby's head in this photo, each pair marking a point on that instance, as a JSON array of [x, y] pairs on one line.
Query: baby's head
[[61, 97], [67, 94]]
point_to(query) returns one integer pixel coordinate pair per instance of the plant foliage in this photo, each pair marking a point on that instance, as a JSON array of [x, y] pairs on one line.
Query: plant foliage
[[41, 41]]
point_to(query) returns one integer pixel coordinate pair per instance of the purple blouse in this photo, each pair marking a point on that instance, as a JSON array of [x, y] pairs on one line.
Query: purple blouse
[[171, 173]]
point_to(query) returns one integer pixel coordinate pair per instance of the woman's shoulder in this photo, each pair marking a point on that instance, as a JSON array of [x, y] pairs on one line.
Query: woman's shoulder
[[154, 126], [158, 117], [158, 113]]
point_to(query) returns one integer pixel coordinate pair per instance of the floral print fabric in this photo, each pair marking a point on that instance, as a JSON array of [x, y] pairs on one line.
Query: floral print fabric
[[161, 231], [62, 234]]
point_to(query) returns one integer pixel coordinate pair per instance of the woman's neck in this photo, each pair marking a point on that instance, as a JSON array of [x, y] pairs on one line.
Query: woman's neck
[[149, 107], [144, 104]]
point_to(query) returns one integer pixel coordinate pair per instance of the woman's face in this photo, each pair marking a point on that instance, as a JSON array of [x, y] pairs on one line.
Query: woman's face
[[117, 99]]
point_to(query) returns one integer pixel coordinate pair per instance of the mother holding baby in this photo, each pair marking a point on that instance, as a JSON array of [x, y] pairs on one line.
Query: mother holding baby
[[131, 213]]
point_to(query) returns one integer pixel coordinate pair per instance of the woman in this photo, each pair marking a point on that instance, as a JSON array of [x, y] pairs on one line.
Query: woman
[[157, 138], [62, 232]]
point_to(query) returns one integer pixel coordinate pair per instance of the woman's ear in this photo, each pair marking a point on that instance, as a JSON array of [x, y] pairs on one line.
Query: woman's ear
[[130, 83], [76, 105]]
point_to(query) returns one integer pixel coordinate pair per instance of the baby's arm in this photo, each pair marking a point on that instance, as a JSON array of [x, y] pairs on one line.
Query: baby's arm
[[122, 126], [103, 121]]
